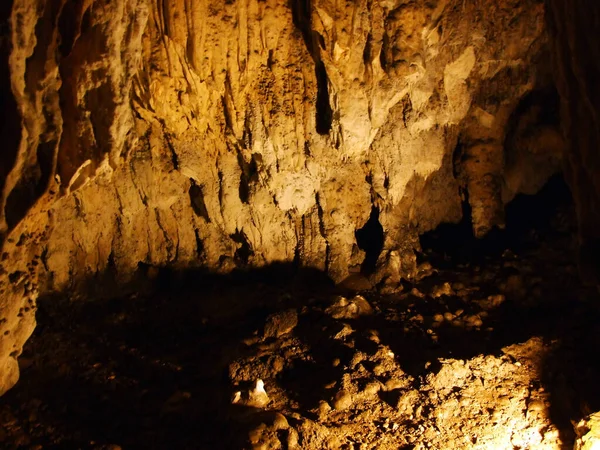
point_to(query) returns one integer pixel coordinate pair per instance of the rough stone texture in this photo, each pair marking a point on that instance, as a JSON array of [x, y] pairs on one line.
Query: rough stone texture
[[576, 51], [242, 133]]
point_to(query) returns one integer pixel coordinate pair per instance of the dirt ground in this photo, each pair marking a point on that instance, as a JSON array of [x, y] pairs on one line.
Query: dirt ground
[[493, 346]]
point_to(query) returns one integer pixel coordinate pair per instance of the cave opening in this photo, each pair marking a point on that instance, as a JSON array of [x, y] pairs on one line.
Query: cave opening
[[370, 239]]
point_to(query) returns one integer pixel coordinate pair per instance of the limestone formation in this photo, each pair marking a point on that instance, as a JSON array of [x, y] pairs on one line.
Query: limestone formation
[[235, 134]]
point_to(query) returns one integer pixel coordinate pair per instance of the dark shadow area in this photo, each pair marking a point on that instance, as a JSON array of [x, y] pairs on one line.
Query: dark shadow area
[[527, 217], [539, 108], [10, 125], [147, 371]]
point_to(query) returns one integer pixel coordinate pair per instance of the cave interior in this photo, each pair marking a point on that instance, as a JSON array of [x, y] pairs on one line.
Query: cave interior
[[299, 225]]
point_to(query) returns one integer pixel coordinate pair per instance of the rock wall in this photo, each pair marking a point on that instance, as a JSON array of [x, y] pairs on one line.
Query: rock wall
[[224, 134], [576, 55]]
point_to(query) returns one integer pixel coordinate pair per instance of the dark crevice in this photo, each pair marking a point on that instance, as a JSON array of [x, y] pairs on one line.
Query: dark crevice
[[101, 104], [322, 230], [249, 174], [302, 21], [244, 252], [197, 201], [173, 153], [10, 125], [324, 111], [301, 15], [383, 53], [457, 159], [368, 50], [244, 188], [370, 239], [247, 136], [22, 197], [86, 21], [36, 63], [67, 25], [199, 244]]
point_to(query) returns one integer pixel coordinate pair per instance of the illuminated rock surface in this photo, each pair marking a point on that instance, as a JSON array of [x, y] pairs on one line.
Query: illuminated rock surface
[[237, 134]]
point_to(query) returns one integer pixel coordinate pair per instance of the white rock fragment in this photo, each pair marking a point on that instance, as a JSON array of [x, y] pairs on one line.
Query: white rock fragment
[[588, 433], [256, 398]]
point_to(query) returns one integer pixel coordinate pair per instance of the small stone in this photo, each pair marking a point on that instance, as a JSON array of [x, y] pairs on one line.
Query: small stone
[[280, 422], [438, 318], [374, 336], [256, 398], [372, 389], [343, 308], [473, 321], [278, 364], [324, 408], [292, 439], [281, 323], [417, 293], [418, 318], [342, 400], [444, 289], [394, 383], [379, 370], [448, 316]]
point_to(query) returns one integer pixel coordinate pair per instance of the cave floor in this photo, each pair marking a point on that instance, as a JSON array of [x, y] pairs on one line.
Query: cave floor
[[496, 350]]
